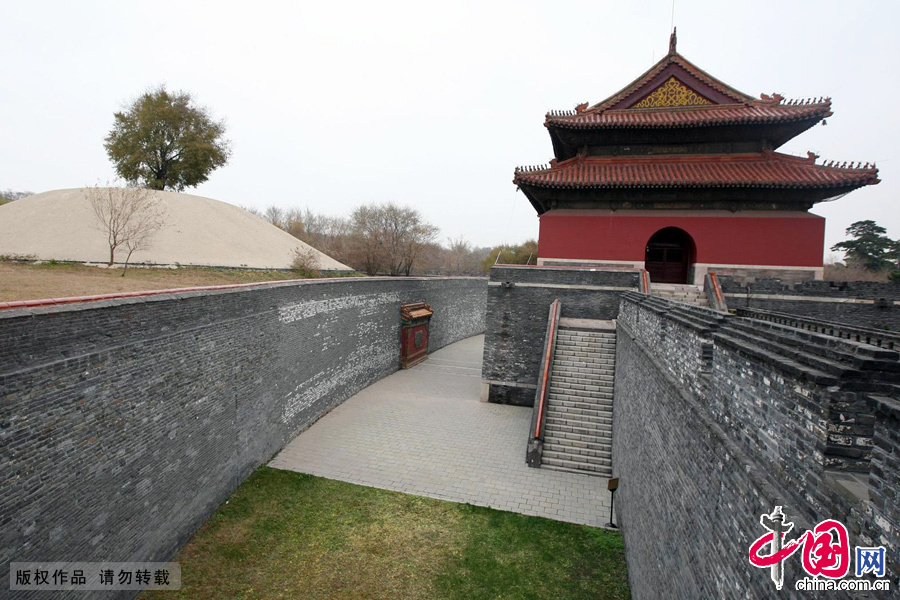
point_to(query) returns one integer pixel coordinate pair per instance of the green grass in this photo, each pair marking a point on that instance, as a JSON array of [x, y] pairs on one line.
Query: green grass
[[288, 535]]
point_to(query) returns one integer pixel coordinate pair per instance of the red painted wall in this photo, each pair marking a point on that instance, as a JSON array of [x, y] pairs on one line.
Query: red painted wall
[[721, 237]]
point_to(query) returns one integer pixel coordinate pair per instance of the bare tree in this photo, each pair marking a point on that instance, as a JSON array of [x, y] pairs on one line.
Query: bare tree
[[274, 215], [461, 258], [306, 262], [129, 217], [365, 246], [253, 211], [389, 237], [9, 195], [292, 222], [331, 235], [419, 236]]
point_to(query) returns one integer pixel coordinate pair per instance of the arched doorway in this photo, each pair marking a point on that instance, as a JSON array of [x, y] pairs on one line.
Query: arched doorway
[[669, 255]]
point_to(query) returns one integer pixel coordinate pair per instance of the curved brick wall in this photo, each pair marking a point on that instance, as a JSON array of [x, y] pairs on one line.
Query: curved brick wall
[[124, 423]]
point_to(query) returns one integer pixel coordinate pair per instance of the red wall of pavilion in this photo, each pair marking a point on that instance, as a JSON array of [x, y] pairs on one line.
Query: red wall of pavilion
[[743, 238]]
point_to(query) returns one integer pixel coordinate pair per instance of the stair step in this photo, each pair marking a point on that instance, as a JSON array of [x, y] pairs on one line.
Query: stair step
[[585, 341], [577, 378], [578, 343], [564, 437], [575, 467], [575, 412], [569, 339], [578, 426], [583, 335], [793, 350], [604, 354], [583, 372], [602, 383], [594, 344], [807, 371], [606, 364], [576, 458], [563, 426], [603, 448], [600, 404], [579, 420], [581, 396], [563, 382]]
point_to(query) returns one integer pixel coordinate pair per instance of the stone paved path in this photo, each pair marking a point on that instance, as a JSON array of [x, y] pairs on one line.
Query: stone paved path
[[423, 431]]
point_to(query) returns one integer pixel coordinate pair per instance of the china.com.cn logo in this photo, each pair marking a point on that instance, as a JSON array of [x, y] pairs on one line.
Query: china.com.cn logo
[[826, 554]]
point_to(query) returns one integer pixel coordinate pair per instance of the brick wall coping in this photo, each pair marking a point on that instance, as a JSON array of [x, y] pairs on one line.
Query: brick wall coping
[[566, 267], [45, 302]]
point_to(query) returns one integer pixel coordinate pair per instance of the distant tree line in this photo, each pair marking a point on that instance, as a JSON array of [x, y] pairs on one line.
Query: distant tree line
[[388, 239], [8, 195], [869, 254]]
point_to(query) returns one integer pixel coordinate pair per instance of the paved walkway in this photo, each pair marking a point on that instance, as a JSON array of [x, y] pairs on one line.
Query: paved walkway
[[423, 431]]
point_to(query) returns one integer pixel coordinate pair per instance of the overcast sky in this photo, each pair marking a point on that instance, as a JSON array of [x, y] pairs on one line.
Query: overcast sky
[[428, 104]]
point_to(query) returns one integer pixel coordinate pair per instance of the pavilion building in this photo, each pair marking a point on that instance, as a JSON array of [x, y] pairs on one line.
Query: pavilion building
[[678, 173]]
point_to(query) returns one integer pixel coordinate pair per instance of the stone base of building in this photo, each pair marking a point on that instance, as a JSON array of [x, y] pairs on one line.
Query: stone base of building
[[521, 394], [744, 274]]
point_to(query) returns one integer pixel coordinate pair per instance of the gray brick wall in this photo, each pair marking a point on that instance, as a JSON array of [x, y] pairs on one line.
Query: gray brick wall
[[861, 303], [883, 523], [710, 432], [518, 318], [125, 423]]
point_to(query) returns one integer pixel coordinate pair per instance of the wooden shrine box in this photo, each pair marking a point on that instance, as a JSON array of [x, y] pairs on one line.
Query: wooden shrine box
[[414, 318]]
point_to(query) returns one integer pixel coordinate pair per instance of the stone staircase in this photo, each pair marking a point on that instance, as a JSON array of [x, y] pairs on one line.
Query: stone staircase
[[688, 294], [578, 426]]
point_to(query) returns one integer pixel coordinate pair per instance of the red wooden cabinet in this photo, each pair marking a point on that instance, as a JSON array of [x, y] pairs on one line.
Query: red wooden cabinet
[[414, 319]]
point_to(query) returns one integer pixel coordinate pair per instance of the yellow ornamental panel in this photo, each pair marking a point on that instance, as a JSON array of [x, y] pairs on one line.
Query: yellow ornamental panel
[[672, 93]]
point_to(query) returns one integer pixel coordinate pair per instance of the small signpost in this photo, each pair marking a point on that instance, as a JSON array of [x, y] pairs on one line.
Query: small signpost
[[612, 485]]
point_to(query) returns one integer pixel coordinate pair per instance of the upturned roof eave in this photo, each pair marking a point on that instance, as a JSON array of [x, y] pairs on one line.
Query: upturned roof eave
[[522, 184], [573, 123]]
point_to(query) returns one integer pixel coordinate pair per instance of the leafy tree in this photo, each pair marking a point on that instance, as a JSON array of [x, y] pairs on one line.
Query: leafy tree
[[129, 217], [523, 254], [163, 141], [870, 248]]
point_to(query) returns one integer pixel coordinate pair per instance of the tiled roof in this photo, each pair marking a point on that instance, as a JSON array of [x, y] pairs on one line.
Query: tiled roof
[[693, 116], [729, 106], [765, 170], [673, 59]]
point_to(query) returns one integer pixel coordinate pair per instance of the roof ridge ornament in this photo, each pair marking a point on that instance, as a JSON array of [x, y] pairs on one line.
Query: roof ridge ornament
[[673, 41]]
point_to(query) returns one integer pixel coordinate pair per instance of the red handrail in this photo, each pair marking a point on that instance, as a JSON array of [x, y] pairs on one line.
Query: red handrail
[[645, 281], [716, 288], [545, 371]]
